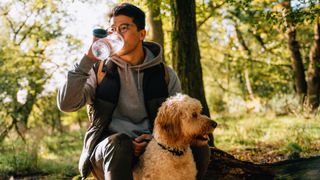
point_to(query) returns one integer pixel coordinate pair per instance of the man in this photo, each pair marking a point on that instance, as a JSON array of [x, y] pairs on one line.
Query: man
[[123, 105]]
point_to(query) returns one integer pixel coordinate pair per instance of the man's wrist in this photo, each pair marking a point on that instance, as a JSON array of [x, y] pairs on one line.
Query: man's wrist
[[85, 64], [91, 57]]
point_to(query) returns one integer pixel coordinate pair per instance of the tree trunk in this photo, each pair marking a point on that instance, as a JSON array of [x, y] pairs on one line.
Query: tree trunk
[[294, 48], [313, 70], [297, 64], [185, 50], [155, 21], [225, 166], [247, 54]]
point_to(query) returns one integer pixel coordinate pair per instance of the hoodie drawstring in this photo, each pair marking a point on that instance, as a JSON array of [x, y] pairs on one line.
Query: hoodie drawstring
[[126, 71], [139, 88]]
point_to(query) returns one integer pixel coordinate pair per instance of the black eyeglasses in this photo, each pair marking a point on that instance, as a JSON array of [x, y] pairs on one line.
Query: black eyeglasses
[[122, 28]]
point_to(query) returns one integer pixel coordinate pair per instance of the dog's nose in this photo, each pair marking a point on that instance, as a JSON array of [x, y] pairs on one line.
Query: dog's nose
[[213, 124]]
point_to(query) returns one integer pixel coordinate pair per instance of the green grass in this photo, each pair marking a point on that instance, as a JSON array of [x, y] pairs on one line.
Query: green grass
[[54, 157], [263, 138]]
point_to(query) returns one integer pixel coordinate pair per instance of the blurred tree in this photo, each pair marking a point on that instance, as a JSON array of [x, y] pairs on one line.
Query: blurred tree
[[241, 55], [45, 113], [294, 16], [313, 80], [155, 21], [248, 42], [294, 48], [261, 70], [29, 29]]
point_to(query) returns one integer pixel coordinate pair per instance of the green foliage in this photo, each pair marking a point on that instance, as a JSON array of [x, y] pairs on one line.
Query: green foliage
[[249, 36], [302, 12], [45, 113], [30, 31]]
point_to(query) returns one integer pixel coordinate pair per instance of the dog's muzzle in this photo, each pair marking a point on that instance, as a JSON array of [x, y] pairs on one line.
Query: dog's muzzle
[[205, 137]]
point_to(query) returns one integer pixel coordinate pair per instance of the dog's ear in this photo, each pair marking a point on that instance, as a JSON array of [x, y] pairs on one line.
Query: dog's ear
[[169, 122]]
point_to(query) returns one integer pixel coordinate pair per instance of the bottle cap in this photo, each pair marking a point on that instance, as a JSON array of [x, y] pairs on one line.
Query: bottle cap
[[100, 33]]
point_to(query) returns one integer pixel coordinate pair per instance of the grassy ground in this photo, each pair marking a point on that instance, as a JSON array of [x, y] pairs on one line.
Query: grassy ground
[[255, 138], [49, 157], [267, 138]]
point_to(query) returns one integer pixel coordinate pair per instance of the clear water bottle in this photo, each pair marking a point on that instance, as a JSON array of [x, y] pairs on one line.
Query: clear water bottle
[[107, 45]]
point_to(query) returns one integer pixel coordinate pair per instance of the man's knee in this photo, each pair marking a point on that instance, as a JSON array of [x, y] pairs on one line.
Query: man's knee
[[120, 139], [119, 144], [113, 158]]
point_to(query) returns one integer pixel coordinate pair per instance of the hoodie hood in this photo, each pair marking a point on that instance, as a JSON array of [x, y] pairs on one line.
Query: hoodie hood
[[153, 56]]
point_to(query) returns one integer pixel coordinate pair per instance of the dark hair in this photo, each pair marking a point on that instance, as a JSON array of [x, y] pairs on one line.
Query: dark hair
[[132, 11]]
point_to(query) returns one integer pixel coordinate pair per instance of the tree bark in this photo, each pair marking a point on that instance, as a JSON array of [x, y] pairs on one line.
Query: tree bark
[[314, 69], [155, 21], [247, 53], [185, 50], [294, 48], [225, 166], [297, 64]]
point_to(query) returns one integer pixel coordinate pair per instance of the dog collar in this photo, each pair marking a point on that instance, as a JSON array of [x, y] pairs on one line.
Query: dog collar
[[174, 151]]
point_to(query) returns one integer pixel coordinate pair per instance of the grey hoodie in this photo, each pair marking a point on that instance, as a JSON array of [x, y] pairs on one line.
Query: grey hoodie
[[130, 115]]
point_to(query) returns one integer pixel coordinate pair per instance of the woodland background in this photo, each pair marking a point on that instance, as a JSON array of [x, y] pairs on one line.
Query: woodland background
[[254, 65]]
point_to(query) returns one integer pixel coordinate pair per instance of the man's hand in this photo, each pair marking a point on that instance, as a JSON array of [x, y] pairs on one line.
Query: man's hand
[[140, 143]]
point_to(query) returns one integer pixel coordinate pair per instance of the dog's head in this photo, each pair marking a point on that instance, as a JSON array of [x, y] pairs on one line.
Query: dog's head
[[179, 121]]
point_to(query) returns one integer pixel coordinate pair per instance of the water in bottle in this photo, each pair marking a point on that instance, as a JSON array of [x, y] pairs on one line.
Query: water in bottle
[[107, 46]]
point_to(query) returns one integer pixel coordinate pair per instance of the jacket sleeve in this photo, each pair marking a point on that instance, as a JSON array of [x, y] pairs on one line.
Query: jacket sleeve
[[174, 85], [79, 88]]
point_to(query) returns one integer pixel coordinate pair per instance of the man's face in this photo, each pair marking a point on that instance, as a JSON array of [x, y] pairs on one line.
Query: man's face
[[132, 37]]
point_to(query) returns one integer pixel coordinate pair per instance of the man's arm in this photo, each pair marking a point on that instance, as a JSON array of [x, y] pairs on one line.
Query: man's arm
[[79, 87]]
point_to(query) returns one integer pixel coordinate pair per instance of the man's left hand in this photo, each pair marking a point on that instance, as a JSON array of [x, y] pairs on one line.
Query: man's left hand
[[140, 143]]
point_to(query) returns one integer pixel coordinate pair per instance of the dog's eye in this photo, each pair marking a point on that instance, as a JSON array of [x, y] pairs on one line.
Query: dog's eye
[[194, 115]]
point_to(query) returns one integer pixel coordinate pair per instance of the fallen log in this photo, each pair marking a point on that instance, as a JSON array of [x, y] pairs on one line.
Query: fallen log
[[225, 166]]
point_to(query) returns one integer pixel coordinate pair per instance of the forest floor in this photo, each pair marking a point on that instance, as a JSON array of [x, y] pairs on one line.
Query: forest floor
[[286, 146], [269, 141], [268, 154], [225, 166], [268, 138]]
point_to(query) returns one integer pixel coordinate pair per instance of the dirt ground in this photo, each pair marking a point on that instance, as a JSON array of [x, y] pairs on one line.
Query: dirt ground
[[264, 154]]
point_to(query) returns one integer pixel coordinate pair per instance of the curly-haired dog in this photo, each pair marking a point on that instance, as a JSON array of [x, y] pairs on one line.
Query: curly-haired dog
[[168, 155]]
